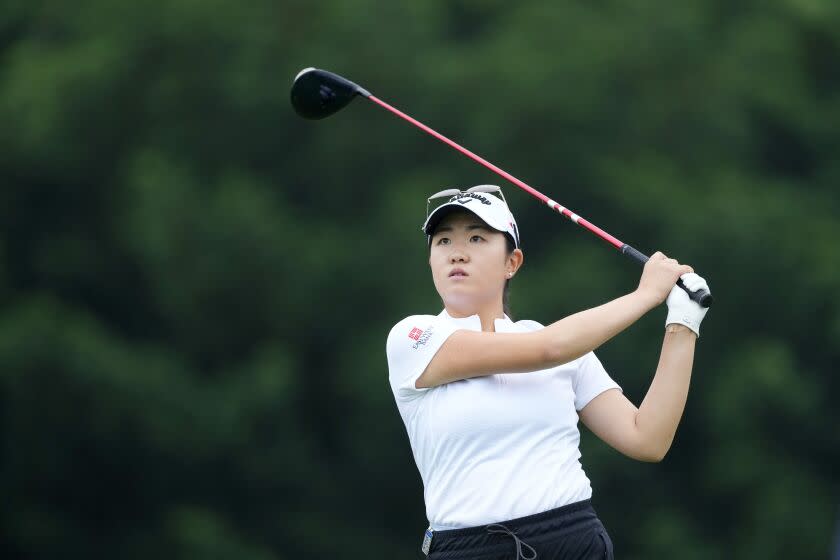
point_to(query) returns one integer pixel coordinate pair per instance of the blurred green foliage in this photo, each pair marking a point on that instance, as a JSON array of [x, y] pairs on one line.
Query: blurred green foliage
[[196, 285]]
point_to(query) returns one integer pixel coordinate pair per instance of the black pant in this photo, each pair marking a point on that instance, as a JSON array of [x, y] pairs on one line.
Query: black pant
[[571, 532]]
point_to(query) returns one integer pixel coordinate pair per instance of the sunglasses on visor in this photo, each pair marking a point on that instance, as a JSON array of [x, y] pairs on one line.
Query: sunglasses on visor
[[453, 194]]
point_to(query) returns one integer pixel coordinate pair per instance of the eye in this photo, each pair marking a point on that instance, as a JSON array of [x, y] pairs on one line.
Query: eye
[[443, 241], [476, 238]]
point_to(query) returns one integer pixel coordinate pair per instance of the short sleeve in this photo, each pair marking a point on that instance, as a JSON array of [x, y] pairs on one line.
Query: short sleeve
[[411, 345], [591, 379]]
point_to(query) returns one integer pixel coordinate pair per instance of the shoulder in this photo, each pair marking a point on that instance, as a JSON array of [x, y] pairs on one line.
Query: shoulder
[[411, 328], [411, 322], [411, 345]]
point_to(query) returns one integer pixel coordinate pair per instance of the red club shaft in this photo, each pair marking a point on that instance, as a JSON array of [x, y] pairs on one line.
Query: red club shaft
[[703, 297], [521, 184]]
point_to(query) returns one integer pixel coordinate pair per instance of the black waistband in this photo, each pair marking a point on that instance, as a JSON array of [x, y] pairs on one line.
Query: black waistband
[[554, 523]]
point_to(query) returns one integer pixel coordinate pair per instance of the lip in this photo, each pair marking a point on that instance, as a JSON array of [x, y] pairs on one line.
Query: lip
[[458, 273]]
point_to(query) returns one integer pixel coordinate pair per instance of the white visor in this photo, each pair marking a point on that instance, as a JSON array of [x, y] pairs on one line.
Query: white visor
[[492, 210]]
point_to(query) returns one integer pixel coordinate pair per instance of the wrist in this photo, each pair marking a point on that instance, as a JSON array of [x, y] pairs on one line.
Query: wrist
[[678, 328], [685, 317], [649, 299]]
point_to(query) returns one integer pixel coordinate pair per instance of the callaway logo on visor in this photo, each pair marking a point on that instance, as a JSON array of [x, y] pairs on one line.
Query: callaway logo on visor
[[467, 197]]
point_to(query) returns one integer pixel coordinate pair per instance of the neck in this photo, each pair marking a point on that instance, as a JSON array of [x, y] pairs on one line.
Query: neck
[[488, 314]]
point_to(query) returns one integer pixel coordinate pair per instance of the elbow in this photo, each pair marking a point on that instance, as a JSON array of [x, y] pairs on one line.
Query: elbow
[[652, 457], [651, 447], [654, 453]]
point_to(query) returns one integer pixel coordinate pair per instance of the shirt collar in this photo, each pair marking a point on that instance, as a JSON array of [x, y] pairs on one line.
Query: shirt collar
[[473, 322]]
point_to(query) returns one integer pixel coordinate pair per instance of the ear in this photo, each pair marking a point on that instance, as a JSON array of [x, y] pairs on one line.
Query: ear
[[515, 260]]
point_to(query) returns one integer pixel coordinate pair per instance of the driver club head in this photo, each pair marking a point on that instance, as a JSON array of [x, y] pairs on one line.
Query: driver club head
[[317, 93]]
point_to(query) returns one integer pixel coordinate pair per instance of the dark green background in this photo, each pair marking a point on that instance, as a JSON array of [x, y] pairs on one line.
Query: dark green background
[[196, 285]]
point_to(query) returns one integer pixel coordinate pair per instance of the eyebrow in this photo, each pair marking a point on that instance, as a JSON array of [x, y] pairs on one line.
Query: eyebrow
[[469, 228]]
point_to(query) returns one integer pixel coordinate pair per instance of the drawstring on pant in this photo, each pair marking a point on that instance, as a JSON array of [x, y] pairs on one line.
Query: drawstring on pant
[[494, 528]]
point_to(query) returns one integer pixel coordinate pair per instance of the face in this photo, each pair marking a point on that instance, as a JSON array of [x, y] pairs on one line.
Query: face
[[470, 263]]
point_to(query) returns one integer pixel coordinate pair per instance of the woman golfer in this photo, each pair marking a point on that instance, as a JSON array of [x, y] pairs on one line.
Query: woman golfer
[[491, 406]]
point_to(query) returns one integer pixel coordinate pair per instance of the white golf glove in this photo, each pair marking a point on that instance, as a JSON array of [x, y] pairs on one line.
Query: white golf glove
[[683, 310]]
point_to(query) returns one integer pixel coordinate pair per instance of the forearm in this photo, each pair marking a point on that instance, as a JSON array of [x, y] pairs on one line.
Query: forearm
[[577, 334], [660, 412], [467, 354]]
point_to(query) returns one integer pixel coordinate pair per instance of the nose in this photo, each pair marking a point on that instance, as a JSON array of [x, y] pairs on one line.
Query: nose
[[458, 256]]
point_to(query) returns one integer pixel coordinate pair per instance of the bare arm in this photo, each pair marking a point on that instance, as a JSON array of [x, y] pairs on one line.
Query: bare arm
[[468, 354], [472, 354], [646, 433]]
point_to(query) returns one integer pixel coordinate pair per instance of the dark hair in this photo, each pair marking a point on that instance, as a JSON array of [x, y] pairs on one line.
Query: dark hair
[[511, 246]]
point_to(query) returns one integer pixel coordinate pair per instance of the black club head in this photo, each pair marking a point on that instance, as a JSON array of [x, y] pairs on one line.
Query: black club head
[[317, 93]]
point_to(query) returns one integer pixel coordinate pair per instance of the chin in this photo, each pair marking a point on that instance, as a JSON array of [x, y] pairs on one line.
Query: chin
[[461, 300]]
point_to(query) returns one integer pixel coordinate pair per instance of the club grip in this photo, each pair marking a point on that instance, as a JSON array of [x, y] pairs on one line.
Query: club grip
[[702, 297], [637, 256]]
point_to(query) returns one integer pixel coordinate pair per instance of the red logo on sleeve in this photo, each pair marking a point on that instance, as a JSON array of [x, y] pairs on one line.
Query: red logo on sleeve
[[415, 333]]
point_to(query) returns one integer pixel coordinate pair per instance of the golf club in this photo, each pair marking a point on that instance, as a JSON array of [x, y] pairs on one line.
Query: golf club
[[317, 94]]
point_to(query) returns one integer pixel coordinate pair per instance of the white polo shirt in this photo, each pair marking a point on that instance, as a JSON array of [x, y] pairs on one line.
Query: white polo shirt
[[496, 447]]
